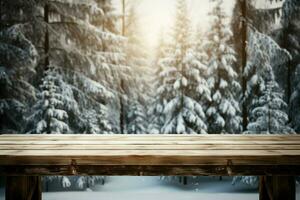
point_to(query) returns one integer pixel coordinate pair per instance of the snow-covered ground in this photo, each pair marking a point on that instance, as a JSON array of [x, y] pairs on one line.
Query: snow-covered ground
[[151, 188]]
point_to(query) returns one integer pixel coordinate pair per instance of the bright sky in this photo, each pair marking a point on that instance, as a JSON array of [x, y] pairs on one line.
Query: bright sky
[[156, 16]]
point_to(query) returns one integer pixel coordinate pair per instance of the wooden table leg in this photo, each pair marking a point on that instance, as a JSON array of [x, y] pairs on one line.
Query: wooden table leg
[[263, 194], [23, 188], [277, 188]]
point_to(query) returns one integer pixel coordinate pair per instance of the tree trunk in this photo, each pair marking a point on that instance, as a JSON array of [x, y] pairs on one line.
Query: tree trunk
[[244, 60], [123, 17], [1, 21], [122, 124], [46, 42], [289, 74]]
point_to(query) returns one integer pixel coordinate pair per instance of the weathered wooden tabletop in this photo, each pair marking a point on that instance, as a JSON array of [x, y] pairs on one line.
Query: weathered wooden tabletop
[[149, 154]]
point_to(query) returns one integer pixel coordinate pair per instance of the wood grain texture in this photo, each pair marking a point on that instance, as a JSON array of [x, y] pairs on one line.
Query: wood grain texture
[[151, 170], [150, 155], [149, 147]]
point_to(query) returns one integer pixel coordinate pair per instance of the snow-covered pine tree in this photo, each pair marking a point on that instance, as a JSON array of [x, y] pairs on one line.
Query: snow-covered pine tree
[[18, 12], [199, 45], [80, 39], [85, 45], [96, 121], [93, 40], [49, 115], [202, 57], [255, 16], [268, 112], [83, 53], [259, 14], [182, 81], [263, 53], [295, 103], [18, 59], [267, 116], [157, 101], [55, 99], [247, 15], [288, 37], [290, 11], [136, 117], [64, 37], [223, 111]]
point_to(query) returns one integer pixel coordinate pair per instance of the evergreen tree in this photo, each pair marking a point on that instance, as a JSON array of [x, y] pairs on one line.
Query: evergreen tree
[[81, 53], [288, 37], [156, 114], [266, 106], [136, 118], [18, 59], [247, 17], [19, 12], [84, 43], [67, 36], [182, 82], [96, 122], [138, 95], [295, 103], [91, 55], [267, 116], [50, 112], [263, 54], [199, 46], [268, 113], [223, 111], [55, 98], [202, 57]]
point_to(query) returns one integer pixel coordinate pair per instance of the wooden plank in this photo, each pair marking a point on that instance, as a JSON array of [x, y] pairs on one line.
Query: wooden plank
[[152, 152], [23, 188], [150, 159], [148, 170], [149, 147], [150, 142]]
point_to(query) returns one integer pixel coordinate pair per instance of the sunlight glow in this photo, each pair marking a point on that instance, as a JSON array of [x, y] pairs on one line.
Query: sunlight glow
[[156, 16]]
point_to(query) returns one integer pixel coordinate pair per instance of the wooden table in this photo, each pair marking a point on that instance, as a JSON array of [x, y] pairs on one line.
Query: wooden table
[[24, 158]]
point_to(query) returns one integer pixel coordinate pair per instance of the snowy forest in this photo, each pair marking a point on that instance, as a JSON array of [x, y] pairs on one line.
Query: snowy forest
[[81, 67]]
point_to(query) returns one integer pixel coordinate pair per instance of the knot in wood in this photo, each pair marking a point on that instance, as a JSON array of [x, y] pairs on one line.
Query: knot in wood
[[229, 167], [73, 167]]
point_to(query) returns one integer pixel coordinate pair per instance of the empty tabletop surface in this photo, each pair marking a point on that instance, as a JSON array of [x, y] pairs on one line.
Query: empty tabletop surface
[[150, 149]]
